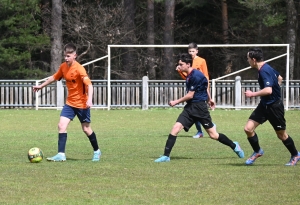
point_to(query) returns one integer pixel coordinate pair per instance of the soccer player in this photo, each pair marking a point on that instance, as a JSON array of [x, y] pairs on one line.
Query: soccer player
[[78, 103], [199, 64], [195, 109], [269, 108]]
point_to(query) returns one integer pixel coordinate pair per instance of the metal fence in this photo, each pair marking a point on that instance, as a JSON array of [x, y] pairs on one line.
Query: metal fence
[[131, 94]]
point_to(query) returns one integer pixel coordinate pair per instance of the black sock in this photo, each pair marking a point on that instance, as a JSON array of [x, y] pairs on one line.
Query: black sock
[[169, 144], [62, 139], [289, 144], [93, 141], [254, 143], [226, 141]]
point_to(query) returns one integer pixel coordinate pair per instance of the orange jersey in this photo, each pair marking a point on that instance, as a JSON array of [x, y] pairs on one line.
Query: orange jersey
[[199, 64], [77, 86]]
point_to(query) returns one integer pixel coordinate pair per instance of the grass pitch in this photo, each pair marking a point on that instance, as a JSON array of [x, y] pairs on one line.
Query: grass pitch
[[201, 171]]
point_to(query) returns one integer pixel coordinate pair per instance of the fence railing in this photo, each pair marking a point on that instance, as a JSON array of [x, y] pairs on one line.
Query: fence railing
[[137, 94]]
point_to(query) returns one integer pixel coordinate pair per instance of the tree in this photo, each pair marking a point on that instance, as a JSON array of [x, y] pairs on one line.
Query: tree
[[21, 39], [56, 35], [168, 72], [150, 40], [292, 27]]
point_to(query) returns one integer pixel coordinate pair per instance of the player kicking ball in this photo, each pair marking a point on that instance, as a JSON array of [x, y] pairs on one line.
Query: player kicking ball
[[195, 109]]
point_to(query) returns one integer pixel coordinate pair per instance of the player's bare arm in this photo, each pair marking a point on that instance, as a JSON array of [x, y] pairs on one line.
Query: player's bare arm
[[279, 80], [47, 82], [263, 92], [187, 97]]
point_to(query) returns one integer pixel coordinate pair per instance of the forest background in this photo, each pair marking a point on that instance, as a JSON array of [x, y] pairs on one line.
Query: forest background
[[33, 33]]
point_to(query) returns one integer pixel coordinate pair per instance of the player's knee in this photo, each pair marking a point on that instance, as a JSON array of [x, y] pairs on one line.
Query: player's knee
[[61, 127]]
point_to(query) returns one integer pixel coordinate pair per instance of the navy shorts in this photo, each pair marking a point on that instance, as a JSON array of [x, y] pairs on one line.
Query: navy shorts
[[273, 112], [83, 115], [195, 112]]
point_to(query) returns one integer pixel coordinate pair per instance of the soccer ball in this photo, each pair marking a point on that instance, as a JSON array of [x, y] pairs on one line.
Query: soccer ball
[[35, 155]]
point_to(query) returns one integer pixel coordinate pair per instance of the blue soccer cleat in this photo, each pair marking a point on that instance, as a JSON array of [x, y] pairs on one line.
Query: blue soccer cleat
[[294, 160], [198, 135], [57, 158], [238, 150], [163, 159], [254, 156], [96, 156]]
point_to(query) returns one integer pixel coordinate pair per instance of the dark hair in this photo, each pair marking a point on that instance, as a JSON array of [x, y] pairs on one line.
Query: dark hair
[[193, 45], [256, 53], [186, 58], [70, 48]]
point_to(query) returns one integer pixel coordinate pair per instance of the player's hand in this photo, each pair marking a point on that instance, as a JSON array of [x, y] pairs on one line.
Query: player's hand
[[211, 104], [172, 103], [36, 88], [89, 104], [249, 93], [177, 67]]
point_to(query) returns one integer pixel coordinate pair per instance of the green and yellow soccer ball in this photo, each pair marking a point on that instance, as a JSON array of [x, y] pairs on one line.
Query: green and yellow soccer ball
[[35, 155]]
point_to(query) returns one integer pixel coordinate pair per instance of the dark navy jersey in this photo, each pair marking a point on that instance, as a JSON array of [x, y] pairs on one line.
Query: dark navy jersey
[[196, 81], [268, 77]]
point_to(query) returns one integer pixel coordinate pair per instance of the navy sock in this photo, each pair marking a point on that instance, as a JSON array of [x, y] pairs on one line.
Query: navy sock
[[289, 144], [62, 139], [254, 143], [226, 141], [169, 144], [93, 140]]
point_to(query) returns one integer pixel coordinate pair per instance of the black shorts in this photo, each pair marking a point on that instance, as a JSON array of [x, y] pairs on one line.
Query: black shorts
[[274, 113], [195, 112]]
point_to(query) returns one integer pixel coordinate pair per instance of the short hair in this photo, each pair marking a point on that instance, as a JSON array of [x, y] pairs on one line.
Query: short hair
[[256, 53], [193, 45], [70, 48], [186, 58]]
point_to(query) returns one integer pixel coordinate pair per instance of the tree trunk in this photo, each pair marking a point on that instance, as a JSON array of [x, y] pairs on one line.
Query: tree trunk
[[150, 40], [169, 69], [292, 27], [56, 35], [128, 61], [225, 21]]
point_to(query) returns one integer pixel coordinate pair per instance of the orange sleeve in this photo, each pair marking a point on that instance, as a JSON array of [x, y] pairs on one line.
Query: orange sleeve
[[59, 74], [200, 64], [182, 74], [86, 80]]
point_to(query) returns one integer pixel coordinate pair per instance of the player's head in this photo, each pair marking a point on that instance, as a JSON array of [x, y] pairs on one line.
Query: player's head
[[256, 53], [70, 48], [184, 61], [70, 53], [193, 49]]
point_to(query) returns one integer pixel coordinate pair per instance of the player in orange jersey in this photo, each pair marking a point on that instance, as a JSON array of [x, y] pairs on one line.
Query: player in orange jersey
[[199, 64], [79, 101]]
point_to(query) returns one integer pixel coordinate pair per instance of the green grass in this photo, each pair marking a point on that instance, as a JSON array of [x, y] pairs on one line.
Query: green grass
[[201, 171]]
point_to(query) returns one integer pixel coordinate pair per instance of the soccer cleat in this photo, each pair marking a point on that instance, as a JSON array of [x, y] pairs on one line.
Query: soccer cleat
[[163, 159], [57, 158], [254, 156], [294, 160], [238, 150], [97, 155], [198, 135]]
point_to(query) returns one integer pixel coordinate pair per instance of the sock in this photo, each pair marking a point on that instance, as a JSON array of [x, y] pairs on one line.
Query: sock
[[226, 141], [198, 126], [62, 139], [289, 144], [93, 141], [254, 143], [169, 144]]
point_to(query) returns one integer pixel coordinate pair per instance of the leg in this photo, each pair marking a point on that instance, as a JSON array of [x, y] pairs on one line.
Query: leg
[[222, 138], [62, 139], [199, 133], [253, 140], [170, 142], [290, 145]]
